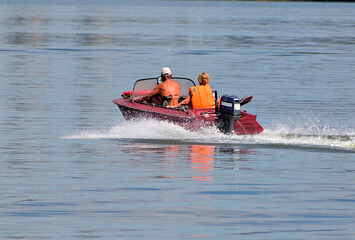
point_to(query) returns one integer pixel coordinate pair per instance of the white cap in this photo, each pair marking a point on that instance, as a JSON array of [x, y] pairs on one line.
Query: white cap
[[165, 71]]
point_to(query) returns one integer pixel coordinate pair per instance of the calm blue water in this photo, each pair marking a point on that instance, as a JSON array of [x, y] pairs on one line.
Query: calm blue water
[[72, 168]]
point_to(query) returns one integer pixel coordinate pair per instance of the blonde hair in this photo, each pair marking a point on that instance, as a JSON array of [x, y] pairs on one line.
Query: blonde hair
[[203, 78]]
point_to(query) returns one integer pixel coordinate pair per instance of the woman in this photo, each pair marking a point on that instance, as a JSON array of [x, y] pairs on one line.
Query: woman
[[200, 96]]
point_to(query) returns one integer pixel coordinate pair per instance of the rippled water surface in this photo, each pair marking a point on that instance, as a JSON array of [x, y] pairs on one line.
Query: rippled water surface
[[72, 168]]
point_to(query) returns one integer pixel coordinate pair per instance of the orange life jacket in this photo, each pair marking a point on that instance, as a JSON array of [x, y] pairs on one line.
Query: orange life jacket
[[202, 97]]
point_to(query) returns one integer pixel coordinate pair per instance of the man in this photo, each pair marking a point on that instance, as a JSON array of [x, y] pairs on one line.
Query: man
[[165, 89]]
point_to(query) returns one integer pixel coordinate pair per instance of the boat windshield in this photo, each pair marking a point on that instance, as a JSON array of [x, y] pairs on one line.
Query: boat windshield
[[144, 86]]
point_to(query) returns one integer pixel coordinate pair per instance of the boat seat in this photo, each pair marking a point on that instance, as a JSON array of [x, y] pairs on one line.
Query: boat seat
[[174, 101], [171, 100]]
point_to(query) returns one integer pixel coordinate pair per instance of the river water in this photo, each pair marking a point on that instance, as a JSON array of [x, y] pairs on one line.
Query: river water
[[72, 168]]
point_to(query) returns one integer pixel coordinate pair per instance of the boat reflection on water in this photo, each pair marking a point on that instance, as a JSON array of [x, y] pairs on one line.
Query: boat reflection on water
[[202, 161], [171, 159]]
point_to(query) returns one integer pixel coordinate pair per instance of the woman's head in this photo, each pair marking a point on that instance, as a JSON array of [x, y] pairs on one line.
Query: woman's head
[[203, 78]]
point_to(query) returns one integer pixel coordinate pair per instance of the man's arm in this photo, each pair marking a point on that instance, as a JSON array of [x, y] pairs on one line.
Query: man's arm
[[154, 92]]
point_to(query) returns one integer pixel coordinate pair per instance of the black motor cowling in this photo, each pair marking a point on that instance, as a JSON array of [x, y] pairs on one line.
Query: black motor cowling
[[229, 113]]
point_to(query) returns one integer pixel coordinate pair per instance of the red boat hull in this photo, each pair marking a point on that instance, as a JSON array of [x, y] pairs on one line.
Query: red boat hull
[[192, 119]]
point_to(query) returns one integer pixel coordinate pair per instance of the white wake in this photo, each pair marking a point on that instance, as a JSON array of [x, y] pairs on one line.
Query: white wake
[[278, 135]]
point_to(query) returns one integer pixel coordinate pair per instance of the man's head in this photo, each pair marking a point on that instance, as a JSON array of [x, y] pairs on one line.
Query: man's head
[[165, 73]]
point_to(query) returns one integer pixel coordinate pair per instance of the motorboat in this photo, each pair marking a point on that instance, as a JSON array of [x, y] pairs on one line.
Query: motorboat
[[227, 115]]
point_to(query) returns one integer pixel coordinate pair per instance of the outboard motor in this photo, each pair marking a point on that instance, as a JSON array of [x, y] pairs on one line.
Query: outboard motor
[[229, 113]]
